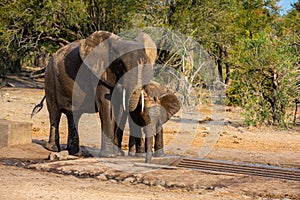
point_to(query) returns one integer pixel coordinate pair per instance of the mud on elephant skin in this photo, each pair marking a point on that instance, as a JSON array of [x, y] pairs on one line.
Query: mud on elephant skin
[[81, 76], [156, 105]]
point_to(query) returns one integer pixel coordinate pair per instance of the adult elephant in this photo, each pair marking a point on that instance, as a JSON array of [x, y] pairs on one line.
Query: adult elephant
[[81, 76], [156, 105]]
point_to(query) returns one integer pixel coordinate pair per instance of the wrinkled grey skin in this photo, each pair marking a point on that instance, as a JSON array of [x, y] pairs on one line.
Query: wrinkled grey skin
[[81, 77], [160, 104]]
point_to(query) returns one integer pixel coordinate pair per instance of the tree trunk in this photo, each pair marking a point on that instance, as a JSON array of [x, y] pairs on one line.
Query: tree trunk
[[219, 63], [227, 79], [274, 105]]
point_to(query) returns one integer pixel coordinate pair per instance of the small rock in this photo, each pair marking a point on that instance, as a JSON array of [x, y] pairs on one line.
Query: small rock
[[113, 180], [53, 156], [101, 177], [170, 184], [67, 172], [240, 130], [193, 187], [146, 181], [160, 183], [152, 182], [205, 120], [224, 133], [129, 180], [76, 173], [180, 185], [139, 177], [212, 188], [83, 174], [161, 187], [63, 155]]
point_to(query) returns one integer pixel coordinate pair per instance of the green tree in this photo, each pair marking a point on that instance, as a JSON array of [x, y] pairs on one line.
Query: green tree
[[266, 78], [30, 27], [111, 15]]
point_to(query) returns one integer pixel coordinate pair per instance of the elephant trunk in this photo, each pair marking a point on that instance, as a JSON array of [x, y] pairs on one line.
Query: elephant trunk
[[134, 99]]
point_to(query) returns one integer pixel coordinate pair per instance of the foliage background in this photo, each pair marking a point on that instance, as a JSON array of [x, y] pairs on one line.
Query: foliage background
[[254, 48]]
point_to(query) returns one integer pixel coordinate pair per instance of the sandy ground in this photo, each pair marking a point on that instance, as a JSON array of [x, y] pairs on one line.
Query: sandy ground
[[205, 132]]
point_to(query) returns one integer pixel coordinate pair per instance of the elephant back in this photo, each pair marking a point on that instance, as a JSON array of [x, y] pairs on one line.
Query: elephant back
[[93, 40]]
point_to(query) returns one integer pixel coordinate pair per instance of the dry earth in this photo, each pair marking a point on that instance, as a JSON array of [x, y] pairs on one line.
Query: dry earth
[[207, 132]]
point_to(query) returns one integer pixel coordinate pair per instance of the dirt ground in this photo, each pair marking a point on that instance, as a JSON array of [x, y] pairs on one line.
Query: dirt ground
[[205, 132]]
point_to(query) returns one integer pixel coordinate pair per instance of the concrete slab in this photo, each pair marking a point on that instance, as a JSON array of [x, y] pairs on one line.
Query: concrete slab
[[14, 133]]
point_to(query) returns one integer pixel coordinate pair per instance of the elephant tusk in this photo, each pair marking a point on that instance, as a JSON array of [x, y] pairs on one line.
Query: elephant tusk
[[124, 96], [139, 75], [143, 100], [163, 95]]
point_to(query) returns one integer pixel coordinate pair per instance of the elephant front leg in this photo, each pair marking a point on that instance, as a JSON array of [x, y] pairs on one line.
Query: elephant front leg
[[136, 146], [149, 142], [149, 132], [103, 103], [159, 142], [136, 141], [120, 122]]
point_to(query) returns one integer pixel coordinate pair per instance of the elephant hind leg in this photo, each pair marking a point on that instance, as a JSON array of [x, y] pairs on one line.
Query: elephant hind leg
[[53, 143], [73, 137]]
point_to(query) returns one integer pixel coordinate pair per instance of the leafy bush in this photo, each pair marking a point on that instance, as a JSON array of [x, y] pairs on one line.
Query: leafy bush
[[265, 79]]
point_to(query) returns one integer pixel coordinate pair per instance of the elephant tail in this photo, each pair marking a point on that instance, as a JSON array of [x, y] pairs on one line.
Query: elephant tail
[[38, 107]]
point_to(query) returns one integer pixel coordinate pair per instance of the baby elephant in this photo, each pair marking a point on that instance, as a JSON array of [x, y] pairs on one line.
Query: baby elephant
[[156, 105]]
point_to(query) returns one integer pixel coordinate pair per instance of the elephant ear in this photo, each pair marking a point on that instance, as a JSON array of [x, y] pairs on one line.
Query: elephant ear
[[171, 104], [96, 53], [149, 45]]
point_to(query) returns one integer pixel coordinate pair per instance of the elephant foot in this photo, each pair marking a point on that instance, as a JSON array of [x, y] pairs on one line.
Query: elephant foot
[[159, 153], [136, 154], [148, 158], [140, 154], [52, 147], [74, 150], [107, 154], [120, 152], [131, 153]]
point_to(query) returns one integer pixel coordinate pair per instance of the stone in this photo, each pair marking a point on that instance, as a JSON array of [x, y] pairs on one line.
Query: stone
[[129, 180], [160, 182], [62, 155], [180, 185], [170, 184], [101, 177], [14, 133]]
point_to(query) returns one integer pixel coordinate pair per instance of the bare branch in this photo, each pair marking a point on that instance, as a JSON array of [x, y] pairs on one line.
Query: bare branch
[[60, 40]]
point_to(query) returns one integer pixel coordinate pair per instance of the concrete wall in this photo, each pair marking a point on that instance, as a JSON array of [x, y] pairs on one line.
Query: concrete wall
[[15, 133]]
